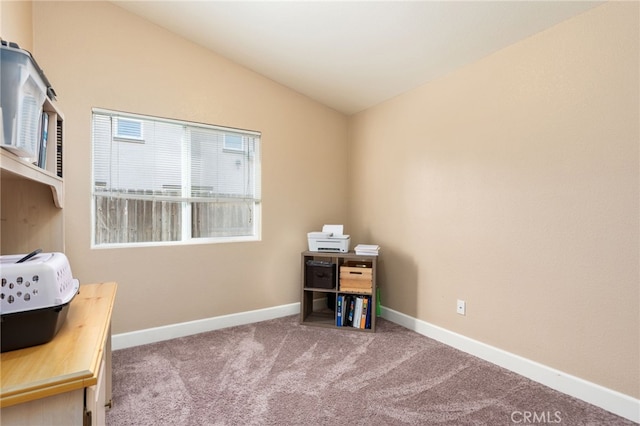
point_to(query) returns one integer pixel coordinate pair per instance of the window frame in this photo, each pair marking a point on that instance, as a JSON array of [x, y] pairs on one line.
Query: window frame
[[187, 229]]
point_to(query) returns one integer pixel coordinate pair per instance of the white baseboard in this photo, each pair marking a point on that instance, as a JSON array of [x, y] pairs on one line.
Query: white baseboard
[[607, 399], [167, 332]]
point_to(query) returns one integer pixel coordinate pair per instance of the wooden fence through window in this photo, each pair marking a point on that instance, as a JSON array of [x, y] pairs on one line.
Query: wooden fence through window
[[136, 216]]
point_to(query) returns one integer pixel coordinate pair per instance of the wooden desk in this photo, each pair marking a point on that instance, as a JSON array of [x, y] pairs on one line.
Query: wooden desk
[[46, 384]]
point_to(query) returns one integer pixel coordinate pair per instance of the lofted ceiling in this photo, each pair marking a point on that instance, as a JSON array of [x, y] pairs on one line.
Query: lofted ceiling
[[351, 55]]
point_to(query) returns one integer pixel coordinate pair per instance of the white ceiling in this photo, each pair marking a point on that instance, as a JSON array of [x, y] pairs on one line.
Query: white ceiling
[[351, 55]]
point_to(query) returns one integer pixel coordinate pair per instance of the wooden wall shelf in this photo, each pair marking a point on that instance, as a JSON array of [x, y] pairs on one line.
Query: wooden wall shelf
[[13, 167], [32, 198]]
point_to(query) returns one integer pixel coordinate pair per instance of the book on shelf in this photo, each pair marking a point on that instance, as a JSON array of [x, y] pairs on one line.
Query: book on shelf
[[44, 136], [347, 310], [352, 304], [367, 249], [357, 313], [346, 302], [365, 308], [339, 310], [368, 318]]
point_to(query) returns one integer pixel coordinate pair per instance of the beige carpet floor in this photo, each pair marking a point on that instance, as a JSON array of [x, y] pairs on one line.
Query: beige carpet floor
[[279, 372]]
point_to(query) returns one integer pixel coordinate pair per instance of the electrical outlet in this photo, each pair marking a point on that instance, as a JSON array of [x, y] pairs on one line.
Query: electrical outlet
[[461, 307]]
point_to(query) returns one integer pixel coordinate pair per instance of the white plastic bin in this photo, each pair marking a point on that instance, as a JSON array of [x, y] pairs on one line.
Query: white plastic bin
[[23, 93]]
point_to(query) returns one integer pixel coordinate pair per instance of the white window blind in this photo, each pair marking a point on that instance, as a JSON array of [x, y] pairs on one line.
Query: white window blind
[[179, 184]]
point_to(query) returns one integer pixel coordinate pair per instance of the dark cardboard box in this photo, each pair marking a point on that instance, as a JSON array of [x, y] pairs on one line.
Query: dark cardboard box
[[320, 274]]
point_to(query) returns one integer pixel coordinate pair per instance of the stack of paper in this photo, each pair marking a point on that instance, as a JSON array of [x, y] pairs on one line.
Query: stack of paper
[[367, 249]]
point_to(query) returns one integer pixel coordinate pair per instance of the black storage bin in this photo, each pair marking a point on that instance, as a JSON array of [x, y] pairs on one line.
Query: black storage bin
[[320, 274], [29, 328]]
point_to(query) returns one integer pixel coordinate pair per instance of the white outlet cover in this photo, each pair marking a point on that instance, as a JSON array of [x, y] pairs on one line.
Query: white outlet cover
[[461, 307]]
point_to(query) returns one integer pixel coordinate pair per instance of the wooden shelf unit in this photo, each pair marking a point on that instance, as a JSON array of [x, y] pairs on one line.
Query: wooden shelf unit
[[310, 311], [32, 198]]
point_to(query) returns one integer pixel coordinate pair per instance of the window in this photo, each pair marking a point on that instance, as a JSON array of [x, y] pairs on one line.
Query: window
[[187, 183]]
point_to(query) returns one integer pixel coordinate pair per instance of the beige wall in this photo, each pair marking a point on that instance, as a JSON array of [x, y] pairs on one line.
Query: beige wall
[[97, 55], [512, 183], [16, 24]]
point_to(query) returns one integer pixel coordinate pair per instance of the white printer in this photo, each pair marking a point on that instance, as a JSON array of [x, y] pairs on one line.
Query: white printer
[[330, 239]]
